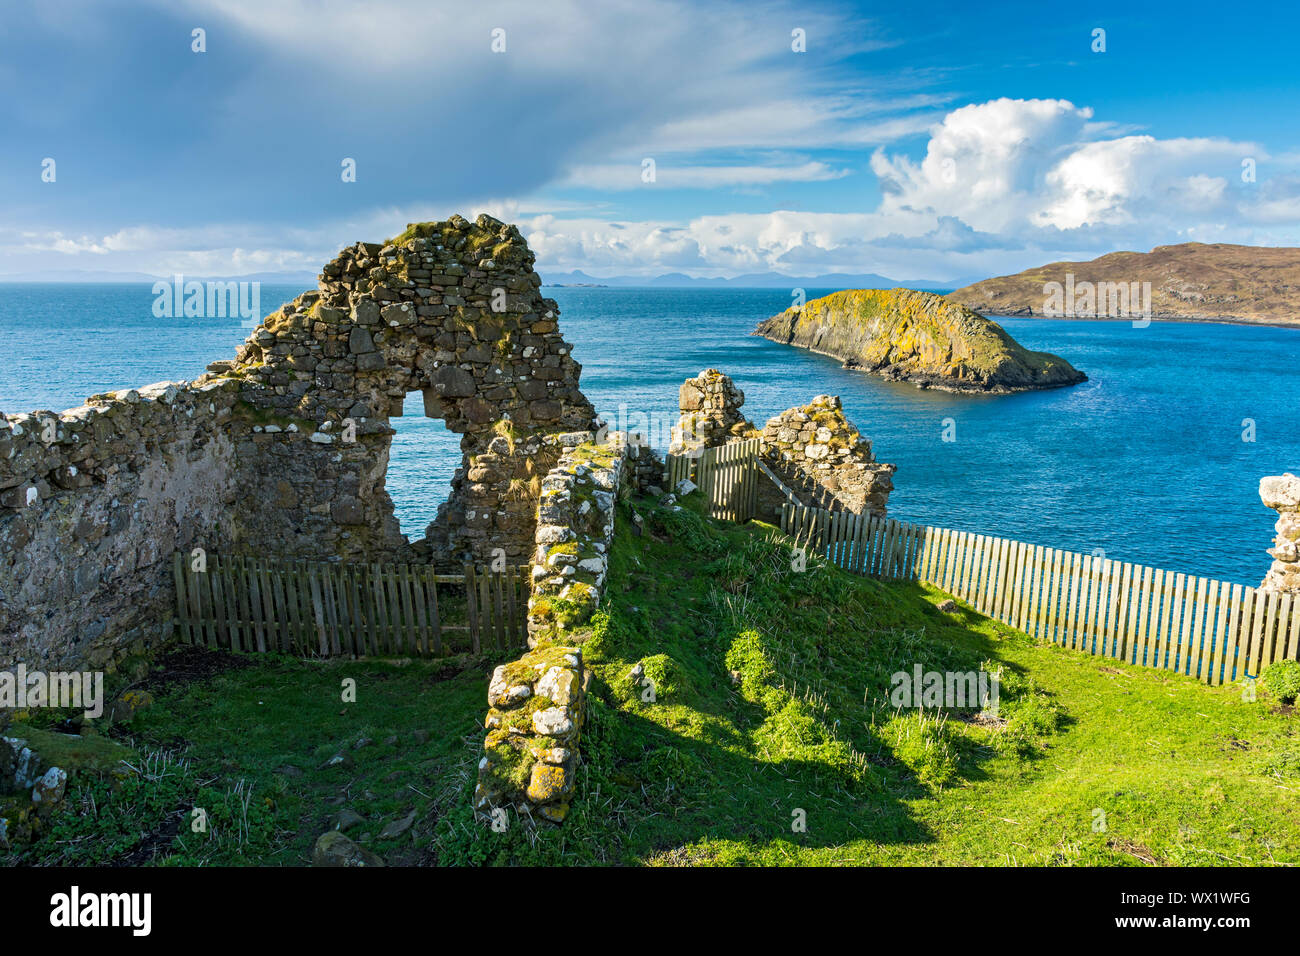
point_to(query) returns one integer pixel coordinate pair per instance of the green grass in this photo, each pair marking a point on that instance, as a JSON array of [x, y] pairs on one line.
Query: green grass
[[249, 746], [769, 706]]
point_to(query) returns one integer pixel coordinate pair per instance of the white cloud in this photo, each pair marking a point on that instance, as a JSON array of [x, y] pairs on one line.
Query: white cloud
[[1018, 164], [1001, 186]]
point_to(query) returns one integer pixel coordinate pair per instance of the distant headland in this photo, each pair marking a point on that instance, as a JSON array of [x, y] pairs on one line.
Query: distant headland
[[1255, 285]]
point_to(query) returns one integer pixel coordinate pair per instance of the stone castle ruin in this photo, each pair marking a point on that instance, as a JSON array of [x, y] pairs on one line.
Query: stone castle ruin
[[284, 449]]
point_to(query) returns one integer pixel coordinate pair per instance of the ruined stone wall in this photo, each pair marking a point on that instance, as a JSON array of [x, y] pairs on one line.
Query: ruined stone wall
[[451, 310], [1282, 494], [575, 530], [537, 704], [814, 450], [95, 501], [710, 407], [818, 453], [284, 450], [537, 707]]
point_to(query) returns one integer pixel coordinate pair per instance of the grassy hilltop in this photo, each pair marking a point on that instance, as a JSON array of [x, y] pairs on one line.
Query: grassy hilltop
[[1192, 280], [770, 702]]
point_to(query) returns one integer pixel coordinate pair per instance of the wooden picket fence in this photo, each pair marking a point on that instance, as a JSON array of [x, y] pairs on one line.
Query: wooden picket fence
[[326, 609], [1212, 630], [862, 544], [727, 477]]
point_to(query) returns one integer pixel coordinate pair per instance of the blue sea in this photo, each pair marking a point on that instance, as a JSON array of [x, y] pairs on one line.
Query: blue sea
[[1145, 461]]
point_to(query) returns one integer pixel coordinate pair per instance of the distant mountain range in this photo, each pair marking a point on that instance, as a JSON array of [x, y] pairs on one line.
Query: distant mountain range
[[755, 280], [1192, 281], [672, 280]]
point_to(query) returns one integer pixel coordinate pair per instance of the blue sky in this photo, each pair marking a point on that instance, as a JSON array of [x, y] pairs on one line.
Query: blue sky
[[939, 141]]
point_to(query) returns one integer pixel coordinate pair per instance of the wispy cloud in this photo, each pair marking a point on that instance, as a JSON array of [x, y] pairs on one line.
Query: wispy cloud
[[616, 176]]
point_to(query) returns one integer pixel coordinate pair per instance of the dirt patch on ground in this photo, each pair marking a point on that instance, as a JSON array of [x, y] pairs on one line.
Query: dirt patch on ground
[[980, 718], [158, 842], [188, 665], [1135, 850]]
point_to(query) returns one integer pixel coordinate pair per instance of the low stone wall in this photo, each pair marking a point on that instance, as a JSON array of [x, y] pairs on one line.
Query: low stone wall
[[1282, 494], [643, 471], [93, 504], [575, 529], [537, 708], [536, 704]]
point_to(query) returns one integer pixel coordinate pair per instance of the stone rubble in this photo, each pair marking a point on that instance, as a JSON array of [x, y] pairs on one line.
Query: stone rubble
[[1282, 494]]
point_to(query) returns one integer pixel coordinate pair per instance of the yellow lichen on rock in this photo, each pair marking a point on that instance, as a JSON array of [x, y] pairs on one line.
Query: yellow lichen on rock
[[918, 337]]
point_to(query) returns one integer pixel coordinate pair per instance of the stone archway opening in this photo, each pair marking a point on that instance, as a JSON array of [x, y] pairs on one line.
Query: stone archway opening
[[424, 457]]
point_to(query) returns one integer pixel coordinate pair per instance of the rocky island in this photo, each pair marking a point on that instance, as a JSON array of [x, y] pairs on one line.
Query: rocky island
[[918, 337], [1189, 282]]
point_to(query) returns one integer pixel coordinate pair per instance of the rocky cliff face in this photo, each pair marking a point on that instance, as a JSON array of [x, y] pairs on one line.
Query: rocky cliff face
[[1190, 281], [918, 337]]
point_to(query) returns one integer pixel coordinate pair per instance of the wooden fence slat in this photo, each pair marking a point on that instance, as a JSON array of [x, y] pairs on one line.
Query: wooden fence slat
[[218, 601], [961, 560], [471, 607], [1170, 629], [1253, 651], [1204, 655], [968, 563], [1035, 592], [1192, 626], [1123, 613], [970, 548], [499, 604], [972, 571], [1228, 599], [1076, 573], [952, 556], [1139, 652], [194, 604], [435, 616], [1026, 584], [337, 598], [848, 547], [182, 602], [995, 592], [1270, 626], [1292, 647], [1053, 595], [1016, 583], [484, 605], [1093, 607], [1293, 642]]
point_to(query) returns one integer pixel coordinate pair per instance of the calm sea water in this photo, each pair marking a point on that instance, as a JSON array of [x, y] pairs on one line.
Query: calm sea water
[[1145, 461]]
